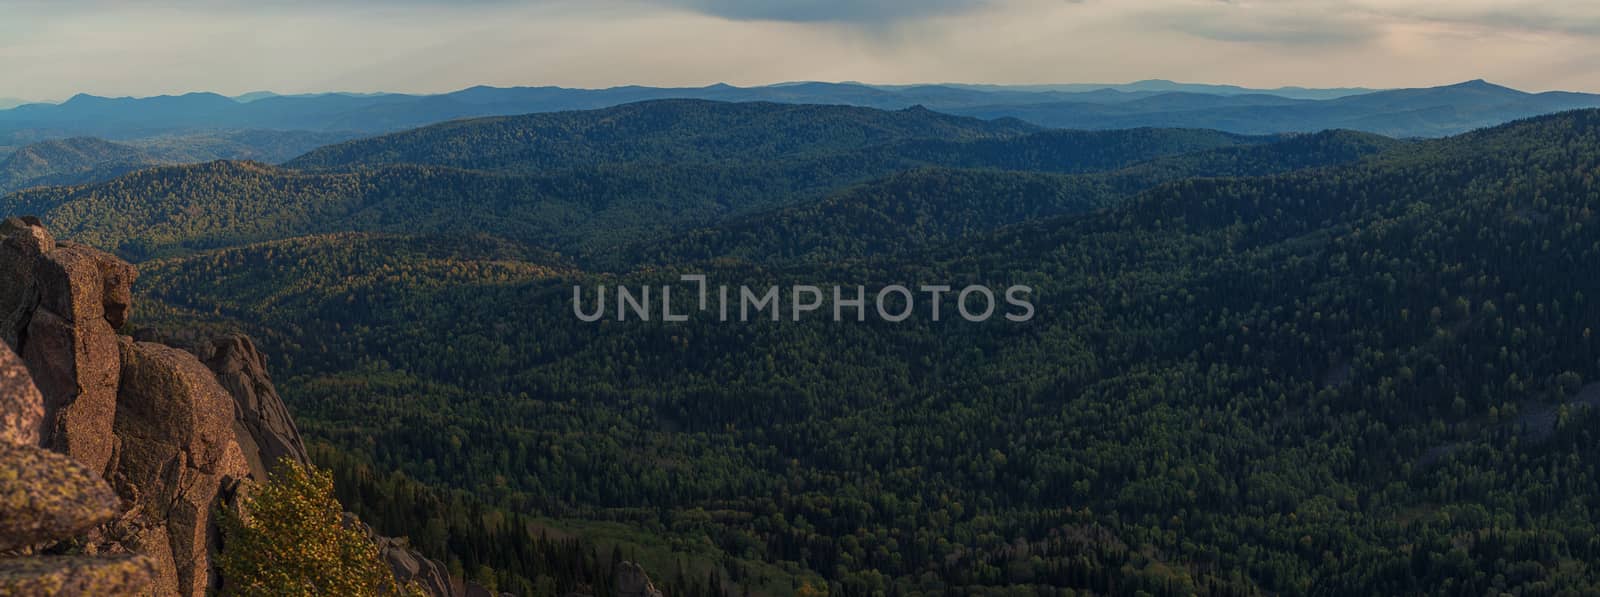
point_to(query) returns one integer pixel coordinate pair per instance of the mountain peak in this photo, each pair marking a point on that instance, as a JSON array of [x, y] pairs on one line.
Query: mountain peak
[[254, 95], [84, 98], [1481, 85]]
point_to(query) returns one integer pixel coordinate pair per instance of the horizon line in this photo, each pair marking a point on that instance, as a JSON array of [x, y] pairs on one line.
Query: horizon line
[[1021, 87]]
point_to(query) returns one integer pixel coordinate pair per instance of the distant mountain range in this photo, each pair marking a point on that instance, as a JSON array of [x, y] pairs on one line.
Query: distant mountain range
[[79, 160], [1165, 86], [1424, 112]]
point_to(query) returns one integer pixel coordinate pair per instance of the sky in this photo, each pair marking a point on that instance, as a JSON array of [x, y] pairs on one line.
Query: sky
[[52, 49]]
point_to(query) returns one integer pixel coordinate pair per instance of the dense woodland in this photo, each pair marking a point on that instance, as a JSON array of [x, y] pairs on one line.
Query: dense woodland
[[81, 160], [1314, 364], [583, 183]]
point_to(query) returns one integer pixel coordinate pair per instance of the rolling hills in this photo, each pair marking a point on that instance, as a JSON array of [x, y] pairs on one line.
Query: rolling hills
[[82, 160], [1232, 385], [925, 208], [1286, 364], [1426, 112], [69, 161], [579, 182], [656, 132]]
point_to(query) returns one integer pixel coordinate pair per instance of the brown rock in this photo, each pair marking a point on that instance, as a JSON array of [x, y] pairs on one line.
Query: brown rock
[[178, 451], [81, 283], [19, 223], [117, 278], [76, 370], [409, 566], [21, 245], [45, 496], [169, 398], [153, 420], [155, 544], [76, 575], [70, 283], [261, 417], [56, 316], [263, 426], [631, 581], [21, 406]]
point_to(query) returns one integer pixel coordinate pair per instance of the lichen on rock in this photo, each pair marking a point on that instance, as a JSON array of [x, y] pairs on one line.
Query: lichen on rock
[[45, 496], [21, 406], [76, 575]]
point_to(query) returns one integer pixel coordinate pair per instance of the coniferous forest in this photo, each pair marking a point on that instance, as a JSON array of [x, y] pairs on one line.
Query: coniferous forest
[[1319, 363]]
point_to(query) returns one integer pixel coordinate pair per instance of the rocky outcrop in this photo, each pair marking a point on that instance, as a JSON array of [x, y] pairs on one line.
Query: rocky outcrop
[[22, 242], [76, 575], [45, 498], [266, 433], [265, 430], [150, 420], [173, 424], [62, 318], [179, 455], [631, 581], [260, 415], [410, 568], [21, 406]]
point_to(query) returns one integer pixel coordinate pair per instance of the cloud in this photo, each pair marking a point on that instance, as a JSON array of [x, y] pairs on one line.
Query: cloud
[[793, 11], [51, 50], [1284, 23], [1562, 17], [830, 11]]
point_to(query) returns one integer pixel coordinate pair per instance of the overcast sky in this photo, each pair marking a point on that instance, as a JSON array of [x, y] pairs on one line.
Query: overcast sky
[[51, 49]]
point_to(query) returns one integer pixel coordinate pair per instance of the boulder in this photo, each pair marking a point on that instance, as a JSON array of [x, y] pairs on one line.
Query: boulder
[[409, 565], [70, 284], [45, 496], [21, 406], [22, 242], [260, 415], [262, 424], [178, 453], [59, 310], [76, 575], [76, 368], [631, 581]]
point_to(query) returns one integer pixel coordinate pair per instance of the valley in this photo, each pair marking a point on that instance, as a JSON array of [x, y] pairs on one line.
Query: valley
[[1166, 423]]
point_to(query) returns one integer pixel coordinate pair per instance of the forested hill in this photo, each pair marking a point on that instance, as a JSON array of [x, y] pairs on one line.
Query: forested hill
[[664, 131], [83, 160], [928, 207], [587, 183], [68, 161], [1357, 378]]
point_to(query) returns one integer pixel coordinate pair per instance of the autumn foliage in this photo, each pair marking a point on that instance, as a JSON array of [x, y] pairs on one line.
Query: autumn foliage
[[289, 540]]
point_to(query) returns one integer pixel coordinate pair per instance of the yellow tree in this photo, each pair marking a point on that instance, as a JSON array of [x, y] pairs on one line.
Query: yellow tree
[[289, 541]]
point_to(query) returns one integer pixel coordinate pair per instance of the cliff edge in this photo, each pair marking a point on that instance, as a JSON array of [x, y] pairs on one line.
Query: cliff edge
[[120, 449]]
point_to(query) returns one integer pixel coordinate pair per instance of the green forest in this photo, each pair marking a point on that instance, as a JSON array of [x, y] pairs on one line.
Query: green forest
[[1301, 364]]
